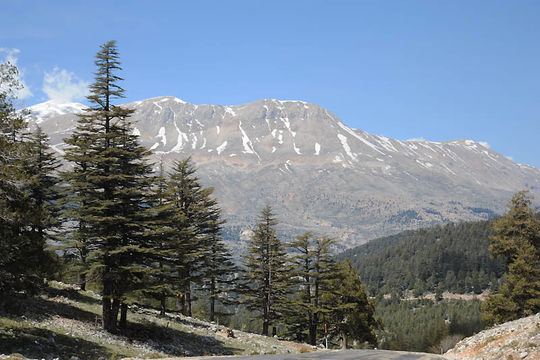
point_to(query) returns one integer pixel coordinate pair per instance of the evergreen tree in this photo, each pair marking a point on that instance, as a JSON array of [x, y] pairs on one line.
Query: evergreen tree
[[314, 268], [352, 313], [517, 238], [109, 180], [42, 186], [77, 197], [267, 276], [42, 195], [24, 199], [161, 235], [218, 268], [191, 203]]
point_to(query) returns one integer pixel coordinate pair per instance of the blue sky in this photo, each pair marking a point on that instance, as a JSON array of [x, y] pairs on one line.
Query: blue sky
[[438, 70]]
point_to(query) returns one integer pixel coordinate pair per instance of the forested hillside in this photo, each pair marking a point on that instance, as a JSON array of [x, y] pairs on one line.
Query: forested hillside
[[452, 257]]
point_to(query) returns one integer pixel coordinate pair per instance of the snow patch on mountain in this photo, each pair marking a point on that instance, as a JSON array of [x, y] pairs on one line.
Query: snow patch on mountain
[[48, 109], [221, 147], [346, 147], [246, 142], [161, 134], [350, 131]]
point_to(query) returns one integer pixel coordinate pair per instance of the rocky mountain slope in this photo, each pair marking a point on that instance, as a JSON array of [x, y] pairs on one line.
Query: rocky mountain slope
[[514, 340], [317, 173]]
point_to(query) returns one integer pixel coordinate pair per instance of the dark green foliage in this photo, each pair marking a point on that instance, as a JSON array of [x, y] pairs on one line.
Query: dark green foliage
[[351, 315], [196, 220], [452, 257], [161, 257], [516, 236], [421, 325], [185, 254], [219, 271], [108, 184], [266, 278], [314, 269], [26, 198], [42, 188]]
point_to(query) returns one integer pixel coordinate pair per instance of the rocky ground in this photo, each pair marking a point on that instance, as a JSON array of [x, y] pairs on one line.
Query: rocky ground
[[514, 340], [64, 323]]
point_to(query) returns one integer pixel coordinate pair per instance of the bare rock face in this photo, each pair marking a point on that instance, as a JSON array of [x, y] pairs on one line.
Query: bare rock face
[[318, 174], [514, 340]]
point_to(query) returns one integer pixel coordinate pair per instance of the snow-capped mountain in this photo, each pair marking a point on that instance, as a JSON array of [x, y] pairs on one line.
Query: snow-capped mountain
[[317, 173], [45, 110]]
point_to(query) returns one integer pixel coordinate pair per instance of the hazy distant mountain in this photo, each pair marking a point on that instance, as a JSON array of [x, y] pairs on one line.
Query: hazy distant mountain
[[316, 172]]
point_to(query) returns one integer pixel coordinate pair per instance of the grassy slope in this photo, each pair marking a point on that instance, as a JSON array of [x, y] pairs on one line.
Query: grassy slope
[[64, 322]]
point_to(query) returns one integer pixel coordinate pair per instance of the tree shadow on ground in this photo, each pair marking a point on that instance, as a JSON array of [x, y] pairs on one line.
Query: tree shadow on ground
[[176, 342], [75, 295], [38, 343], [38, 308], [18, 335]]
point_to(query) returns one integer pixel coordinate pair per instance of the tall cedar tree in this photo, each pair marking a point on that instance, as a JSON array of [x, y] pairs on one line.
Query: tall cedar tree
[[79, 153], [352, 313], [314, 269], [109, 180], [43, 187], [219, 269], [196, 214], [266, 279], [517, 238], [22, 251], [161, 242]]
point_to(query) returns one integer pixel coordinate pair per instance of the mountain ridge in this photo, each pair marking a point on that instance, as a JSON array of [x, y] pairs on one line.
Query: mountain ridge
[[318, 173]]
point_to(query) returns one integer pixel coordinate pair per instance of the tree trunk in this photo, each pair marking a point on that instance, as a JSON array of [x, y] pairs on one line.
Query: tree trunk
[[266, 315], [123, 316], [180, 303], [110, 314], [343, 340], [265, 326], [188, 299], [163, 306], [82, 281], [212, 298], [313, 333]]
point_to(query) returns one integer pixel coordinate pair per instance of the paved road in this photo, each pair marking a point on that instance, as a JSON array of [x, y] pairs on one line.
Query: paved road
[[338, 355]]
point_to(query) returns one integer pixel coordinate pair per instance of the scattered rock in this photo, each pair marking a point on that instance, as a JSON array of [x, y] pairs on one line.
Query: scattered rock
[[519, 339]]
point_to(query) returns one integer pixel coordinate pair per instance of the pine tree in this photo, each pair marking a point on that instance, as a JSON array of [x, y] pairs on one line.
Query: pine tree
[[42, 193], [109, 180], [24, 199], [517, 238], [267, 276], [352, 313], [195, 217], [161, 242], [14, 274], [315, 269], [218, 268], [77, 197], [42, 186]]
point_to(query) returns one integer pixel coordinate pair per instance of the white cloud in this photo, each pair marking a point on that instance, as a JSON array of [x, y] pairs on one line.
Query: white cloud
[[11, 57], [484, 144], [62, 86], [416, 139]]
